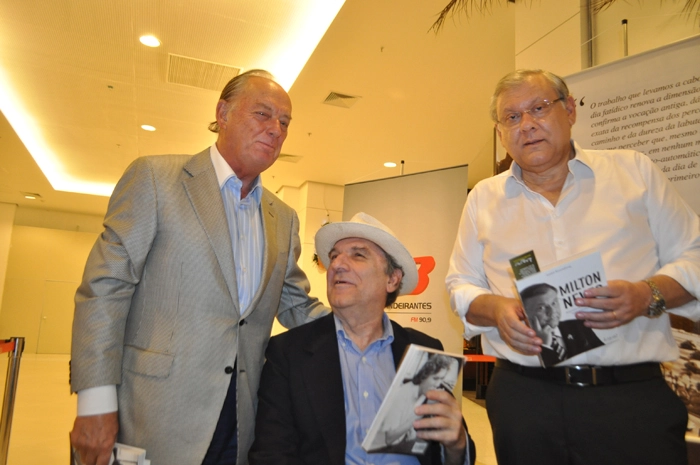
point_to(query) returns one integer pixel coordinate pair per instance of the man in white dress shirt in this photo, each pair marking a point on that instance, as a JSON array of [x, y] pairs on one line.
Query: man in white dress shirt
[[609, 405]]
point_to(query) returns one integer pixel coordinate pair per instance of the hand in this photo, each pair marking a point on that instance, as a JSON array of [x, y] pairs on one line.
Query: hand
[[442, 422], [93, 437], [509, 318], [625, 301]]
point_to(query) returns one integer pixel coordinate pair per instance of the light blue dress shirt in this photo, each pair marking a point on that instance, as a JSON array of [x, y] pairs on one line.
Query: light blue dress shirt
[[245, 226], [366, 378]]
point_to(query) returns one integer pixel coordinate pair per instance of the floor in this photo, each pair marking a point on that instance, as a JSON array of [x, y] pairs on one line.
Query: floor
[[44, 412]]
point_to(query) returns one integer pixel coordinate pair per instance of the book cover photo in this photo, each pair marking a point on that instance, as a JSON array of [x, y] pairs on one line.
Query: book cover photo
[[548, 299], [422, 369]]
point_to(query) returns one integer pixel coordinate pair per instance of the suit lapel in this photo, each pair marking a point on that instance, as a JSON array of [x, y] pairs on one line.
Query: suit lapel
[[401, 341], [202, 189], [325, 385]]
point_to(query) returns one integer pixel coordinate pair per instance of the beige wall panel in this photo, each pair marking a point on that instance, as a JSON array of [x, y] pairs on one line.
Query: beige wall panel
[[548, 36], [57, 318], [28, 255], [66, 254], [7, 214], [533, 20], [21, 311], [37, 257], [558, 52]]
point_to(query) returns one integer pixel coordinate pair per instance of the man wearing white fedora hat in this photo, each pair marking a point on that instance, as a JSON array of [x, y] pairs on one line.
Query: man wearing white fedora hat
[[323, 383]]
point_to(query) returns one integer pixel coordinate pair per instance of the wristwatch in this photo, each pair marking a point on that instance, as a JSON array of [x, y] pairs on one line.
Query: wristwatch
[[658, 304]]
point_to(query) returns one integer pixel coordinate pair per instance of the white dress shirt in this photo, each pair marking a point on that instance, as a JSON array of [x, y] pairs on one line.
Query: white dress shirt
[[617, 202]]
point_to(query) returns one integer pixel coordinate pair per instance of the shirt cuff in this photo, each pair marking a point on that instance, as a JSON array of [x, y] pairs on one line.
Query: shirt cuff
[[97, 400], [467, 459]]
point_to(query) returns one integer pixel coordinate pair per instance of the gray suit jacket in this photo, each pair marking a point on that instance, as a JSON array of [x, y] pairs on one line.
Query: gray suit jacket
[[157, 312]]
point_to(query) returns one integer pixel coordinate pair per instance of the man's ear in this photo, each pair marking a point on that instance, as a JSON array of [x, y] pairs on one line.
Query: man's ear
[[222, 111], [571, 109], [394, 281]]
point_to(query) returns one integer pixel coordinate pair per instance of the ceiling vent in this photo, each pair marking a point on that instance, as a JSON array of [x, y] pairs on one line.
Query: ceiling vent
[[199, 73], [289, 158], [341, 100]]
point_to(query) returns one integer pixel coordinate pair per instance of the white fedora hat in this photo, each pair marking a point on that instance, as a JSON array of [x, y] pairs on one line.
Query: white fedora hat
[[366, 227]]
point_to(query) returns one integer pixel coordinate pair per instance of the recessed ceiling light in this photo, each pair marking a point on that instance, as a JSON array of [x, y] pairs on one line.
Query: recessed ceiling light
[[390, 164], [148, 127], [149, 41], [31, 195]]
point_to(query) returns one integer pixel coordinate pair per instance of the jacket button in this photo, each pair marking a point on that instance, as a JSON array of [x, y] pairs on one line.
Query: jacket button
[[242, 322], [228, 370]]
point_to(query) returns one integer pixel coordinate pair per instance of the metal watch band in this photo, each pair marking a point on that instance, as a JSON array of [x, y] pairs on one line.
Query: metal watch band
[[658, 303]]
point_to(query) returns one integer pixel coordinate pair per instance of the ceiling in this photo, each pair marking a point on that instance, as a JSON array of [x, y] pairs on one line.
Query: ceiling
[[88, 84]]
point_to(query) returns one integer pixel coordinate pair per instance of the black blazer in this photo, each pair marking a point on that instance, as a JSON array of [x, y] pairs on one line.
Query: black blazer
[[301, 413]]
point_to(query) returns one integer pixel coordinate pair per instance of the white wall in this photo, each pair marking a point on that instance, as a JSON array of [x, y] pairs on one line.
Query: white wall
[[650, 24], [548, 33]]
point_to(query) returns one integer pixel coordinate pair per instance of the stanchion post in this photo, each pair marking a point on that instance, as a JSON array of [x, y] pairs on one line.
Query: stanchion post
[[8, 403]]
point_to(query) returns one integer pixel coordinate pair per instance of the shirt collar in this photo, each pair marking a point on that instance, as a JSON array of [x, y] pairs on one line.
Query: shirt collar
[[581, 162], [386, 338], [224, 173]]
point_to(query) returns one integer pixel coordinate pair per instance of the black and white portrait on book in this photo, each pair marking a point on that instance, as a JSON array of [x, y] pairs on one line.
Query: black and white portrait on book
[[561, 339], [420, 371]]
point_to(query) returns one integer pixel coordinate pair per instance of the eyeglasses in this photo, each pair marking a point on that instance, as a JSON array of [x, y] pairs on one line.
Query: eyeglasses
[[538, 110]]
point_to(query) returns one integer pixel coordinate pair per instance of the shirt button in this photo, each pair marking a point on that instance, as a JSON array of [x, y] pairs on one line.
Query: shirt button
[[364, 359], [365, 394]]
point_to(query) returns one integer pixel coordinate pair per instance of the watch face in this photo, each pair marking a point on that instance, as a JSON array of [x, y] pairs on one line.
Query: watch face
[[657, 307], [655, 311], [658, 303]]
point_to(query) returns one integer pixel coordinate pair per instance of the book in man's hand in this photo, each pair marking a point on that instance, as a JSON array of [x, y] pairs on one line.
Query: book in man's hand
[[422, 369], [548, 299], [121, 455]]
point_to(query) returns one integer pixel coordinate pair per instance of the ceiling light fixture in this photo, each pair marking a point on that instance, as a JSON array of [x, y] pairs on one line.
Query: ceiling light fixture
[[149, 41], [31, 196], [148, 127], [390, 164]]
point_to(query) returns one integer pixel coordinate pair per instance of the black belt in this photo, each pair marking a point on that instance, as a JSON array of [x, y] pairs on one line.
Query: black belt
[[587, 375]]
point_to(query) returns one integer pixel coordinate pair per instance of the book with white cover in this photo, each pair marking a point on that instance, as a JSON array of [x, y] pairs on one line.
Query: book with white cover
[[422, 369], [122, 454], [548, 299]]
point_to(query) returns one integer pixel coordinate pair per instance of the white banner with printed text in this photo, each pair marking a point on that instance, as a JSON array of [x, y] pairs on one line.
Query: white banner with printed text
[[648, 102]]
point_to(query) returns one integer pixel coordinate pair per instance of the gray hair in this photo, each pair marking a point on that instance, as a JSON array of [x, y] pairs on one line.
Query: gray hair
[[235, 86], [518, 77], [391, 266]]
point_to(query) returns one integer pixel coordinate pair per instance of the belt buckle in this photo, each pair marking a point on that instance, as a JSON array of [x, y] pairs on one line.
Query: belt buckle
[[580, 368]]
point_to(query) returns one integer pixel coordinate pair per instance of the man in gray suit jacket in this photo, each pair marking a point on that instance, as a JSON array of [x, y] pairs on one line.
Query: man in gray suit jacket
[[181, 289]]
